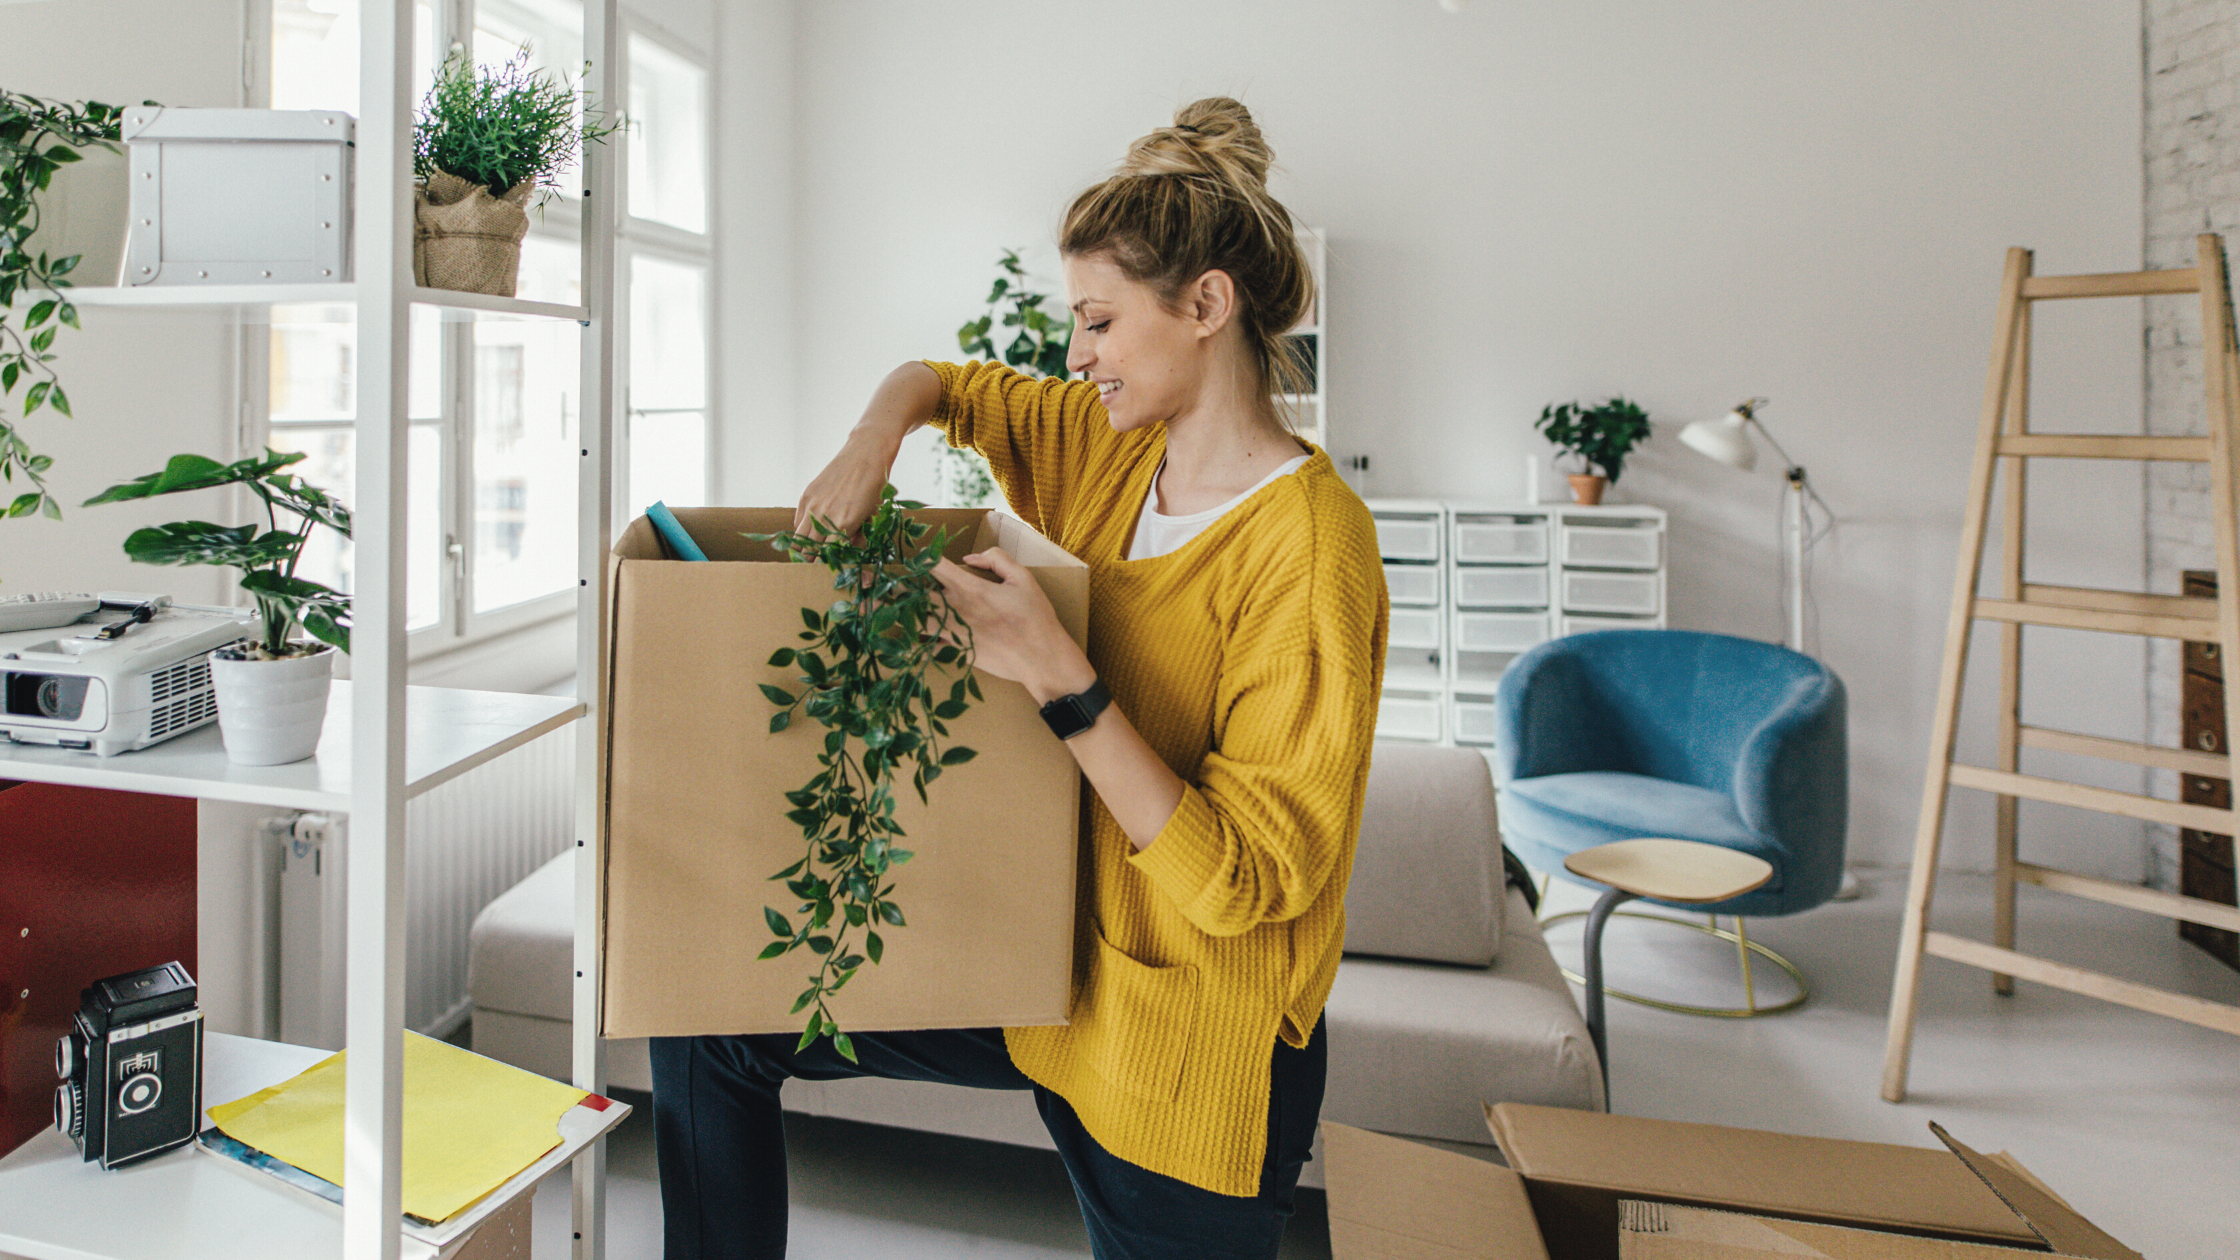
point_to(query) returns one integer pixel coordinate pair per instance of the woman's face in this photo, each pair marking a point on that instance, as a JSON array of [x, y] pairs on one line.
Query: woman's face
[[1147, 361]]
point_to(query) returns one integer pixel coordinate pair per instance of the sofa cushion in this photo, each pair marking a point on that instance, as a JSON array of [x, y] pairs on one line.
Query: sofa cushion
[[1415, 1048], [1427, 881], [521, 951]]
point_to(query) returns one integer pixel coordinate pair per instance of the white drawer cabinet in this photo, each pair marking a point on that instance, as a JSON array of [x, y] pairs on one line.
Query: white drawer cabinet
[[1474, 585]]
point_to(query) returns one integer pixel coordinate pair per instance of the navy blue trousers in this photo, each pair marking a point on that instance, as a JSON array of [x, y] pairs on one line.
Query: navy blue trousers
[[720, 1137]]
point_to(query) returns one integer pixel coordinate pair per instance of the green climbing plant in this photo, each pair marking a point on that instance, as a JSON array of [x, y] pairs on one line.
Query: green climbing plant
[[870, 672], [1598, 436], [1039, 349], [37, 138]]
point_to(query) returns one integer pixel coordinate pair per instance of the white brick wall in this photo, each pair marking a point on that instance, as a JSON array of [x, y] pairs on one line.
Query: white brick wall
[[2192, 152]]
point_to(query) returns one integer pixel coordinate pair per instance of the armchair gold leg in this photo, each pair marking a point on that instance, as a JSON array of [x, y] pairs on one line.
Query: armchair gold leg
[[1742, 943], [1742, 947]]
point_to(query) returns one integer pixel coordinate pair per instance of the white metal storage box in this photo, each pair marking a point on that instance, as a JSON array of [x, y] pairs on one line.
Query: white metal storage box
[[237, 196]]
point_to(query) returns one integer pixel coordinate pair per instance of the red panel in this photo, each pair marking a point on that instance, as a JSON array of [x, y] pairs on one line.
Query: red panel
[[92, 883]]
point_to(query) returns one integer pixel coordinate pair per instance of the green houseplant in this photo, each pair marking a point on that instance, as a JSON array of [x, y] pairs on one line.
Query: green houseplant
[[37, 139], [484, 141], [272, 687], [884, 670], [1598, 436], [1039, 350]]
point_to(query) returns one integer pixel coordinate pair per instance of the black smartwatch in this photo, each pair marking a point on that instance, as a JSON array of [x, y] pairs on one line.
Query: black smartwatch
[[1068, 716]]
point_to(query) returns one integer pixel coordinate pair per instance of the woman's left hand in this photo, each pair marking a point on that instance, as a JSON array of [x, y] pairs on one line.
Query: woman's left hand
[[1016, 634]]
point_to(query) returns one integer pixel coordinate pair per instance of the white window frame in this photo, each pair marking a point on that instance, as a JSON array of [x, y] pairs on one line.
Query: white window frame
[[458, 627]]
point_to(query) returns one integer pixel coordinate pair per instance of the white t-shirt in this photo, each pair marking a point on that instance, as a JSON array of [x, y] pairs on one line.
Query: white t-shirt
[[1157, 533]]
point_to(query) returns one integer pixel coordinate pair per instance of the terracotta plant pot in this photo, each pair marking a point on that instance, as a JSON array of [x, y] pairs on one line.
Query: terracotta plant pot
[[1587, 490], [464, 239], [270, 712]]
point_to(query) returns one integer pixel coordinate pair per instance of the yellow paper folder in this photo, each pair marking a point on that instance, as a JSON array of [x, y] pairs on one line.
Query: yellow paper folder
[[470, 1123]]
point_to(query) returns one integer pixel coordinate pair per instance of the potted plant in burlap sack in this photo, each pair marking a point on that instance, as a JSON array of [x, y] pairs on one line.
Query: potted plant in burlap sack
[[485, 141], [272, 687]]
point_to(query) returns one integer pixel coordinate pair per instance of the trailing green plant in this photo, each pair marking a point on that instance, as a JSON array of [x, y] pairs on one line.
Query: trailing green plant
[[504, 125], [867, 665], [1038, 350], [37, 138], [1598, 436], [266, 558]]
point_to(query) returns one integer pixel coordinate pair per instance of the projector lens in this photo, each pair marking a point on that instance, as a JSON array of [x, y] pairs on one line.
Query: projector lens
[[57, 697]]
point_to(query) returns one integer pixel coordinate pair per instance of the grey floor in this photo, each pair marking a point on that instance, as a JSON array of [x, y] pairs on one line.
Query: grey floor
[[2134, 1119]]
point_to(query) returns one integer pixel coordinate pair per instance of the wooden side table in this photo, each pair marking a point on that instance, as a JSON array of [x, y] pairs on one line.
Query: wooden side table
[[1683, 871]]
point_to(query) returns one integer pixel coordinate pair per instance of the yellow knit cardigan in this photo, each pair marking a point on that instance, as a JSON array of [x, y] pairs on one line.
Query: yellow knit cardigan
[[1250, 660]]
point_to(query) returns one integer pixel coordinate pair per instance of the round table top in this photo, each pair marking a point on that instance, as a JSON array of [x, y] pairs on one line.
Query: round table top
[[1671, 870]]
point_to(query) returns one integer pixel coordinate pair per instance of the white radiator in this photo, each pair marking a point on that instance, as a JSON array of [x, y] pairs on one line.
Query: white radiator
[[466, 842]]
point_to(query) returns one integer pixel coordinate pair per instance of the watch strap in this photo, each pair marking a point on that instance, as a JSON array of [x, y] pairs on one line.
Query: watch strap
[[1068, 716]]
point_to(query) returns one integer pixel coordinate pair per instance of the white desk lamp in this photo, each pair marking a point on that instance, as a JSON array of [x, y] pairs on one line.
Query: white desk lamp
[[1727, 439]]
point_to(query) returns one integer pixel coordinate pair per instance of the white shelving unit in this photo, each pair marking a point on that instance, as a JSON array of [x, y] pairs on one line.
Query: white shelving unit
[[384, 742], [1310, 412], [1474, 585]]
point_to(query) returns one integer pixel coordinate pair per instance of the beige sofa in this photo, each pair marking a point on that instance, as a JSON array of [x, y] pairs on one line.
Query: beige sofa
[[1447, 998]]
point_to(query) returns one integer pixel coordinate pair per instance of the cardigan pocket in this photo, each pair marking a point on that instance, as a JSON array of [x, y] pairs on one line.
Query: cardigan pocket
[[1135, 1021]]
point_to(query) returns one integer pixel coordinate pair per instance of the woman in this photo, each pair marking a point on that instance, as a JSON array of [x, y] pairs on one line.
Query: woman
[[1222, 715]]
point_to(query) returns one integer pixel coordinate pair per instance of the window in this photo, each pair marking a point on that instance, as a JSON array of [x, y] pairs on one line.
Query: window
[[495, 404]]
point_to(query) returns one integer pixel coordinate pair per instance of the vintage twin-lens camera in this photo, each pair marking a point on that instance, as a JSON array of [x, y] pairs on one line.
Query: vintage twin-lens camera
[[132, 1067]]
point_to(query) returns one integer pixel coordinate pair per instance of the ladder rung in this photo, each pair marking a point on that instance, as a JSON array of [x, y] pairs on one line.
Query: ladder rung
[[2053, 611], [2194, 606], [2104, 446], [2114, 284], [2131, 896], [2182, 760], [2099, 800], [2092, 984]]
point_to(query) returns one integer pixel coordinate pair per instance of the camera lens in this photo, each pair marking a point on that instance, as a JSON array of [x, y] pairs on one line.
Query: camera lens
[[67, 1056], [68, 1117]]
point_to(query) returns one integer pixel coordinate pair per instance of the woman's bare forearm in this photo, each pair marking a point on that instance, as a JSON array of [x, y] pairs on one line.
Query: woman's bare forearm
[[847, 491]]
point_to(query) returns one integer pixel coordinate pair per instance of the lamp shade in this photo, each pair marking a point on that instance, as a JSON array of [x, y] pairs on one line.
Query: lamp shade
[[1724, 439]]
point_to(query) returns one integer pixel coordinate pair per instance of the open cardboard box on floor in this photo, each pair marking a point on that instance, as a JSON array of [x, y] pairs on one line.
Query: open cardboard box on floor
[[1582, 1185], [696, 813]]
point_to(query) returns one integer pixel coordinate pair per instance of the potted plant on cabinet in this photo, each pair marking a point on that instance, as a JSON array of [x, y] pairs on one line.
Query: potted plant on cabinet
[[485, 140], [1599, 437], [1039, 350], [272, 687]]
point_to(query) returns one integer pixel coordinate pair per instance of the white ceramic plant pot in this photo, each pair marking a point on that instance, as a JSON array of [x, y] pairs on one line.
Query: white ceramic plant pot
[[270, 712]]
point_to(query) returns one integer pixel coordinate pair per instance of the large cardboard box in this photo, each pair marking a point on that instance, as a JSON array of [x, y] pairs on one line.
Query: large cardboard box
[[1579, 1183], [696, 826]]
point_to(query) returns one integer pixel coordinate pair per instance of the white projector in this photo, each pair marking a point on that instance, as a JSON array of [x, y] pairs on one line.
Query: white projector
[[133, 671]]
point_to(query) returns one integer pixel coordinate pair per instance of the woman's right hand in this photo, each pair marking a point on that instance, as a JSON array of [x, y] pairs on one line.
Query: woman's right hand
[[846, 493]]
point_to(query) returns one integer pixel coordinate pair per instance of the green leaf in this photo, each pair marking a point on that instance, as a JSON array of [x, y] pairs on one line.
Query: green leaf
[[783, 699], [781, 658], [59, 400], [958, 756], [808, 995], [892, 913], [777, 922], [810, 619], [25, 504], [873, 946], [773, 950], [846, 1047], [809, 1035], [38, 313], [821, 944], [36, 395], [788, 872], [780, 720]]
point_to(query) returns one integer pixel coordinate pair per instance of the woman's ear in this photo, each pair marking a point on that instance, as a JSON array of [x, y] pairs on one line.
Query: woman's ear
[[1211, 301]]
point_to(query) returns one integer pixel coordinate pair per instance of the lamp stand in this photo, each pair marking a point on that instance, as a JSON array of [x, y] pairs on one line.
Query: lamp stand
[[1798, 488]]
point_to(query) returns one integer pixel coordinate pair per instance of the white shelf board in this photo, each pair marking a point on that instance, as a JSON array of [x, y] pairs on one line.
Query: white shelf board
[[240, 295], [447, 732], [181, 1205]]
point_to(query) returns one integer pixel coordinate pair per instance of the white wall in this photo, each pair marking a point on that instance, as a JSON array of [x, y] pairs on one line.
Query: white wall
[[756, 319], [1536, 200]]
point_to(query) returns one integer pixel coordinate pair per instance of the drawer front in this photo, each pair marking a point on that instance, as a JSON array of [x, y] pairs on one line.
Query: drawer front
[[1501, 542], [1499, 632], [1473, 721], [1407, 715], [1501, 587], [1581, 625], [1587, 591], [1416, 585], [1613, 547], [1415, 628], [1408, 537]]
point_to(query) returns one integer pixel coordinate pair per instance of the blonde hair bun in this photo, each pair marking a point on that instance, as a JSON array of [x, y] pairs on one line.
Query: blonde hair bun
[[1214, 137]]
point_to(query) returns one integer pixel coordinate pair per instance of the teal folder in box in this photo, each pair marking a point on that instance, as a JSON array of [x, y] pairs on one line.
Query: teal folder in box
[[673, 535]]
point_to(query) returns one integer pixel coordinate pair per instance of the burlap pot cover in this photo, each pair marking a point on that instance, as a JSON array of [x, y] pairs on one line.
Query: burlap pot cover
[[464, 239]]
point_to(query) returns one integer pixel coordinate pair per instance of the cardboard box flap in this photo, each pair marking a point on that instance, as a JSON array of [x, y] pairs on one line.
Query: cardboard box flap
[[1670, 1231], [1391, 1199], [1777, 1174], [2054, 1221]]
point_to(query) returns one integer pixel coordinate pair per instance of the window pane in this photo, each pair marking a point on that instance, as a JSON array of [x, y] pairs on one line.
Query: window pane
[[551, 269], [314, 360], [331, 465], [668, 334], [315, 54], [668, 459], [525, 460], [553, 32], [668, 137]]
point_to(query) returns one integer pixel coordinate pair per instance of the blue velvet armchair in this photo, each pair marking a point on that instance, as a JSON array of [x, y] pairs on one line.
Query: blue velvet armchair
[[1619, 734]]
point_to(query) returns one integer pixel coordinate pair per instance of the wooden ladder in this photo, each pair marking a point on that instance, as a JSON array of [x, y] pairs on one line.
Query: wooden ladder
[[2005, 439]]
